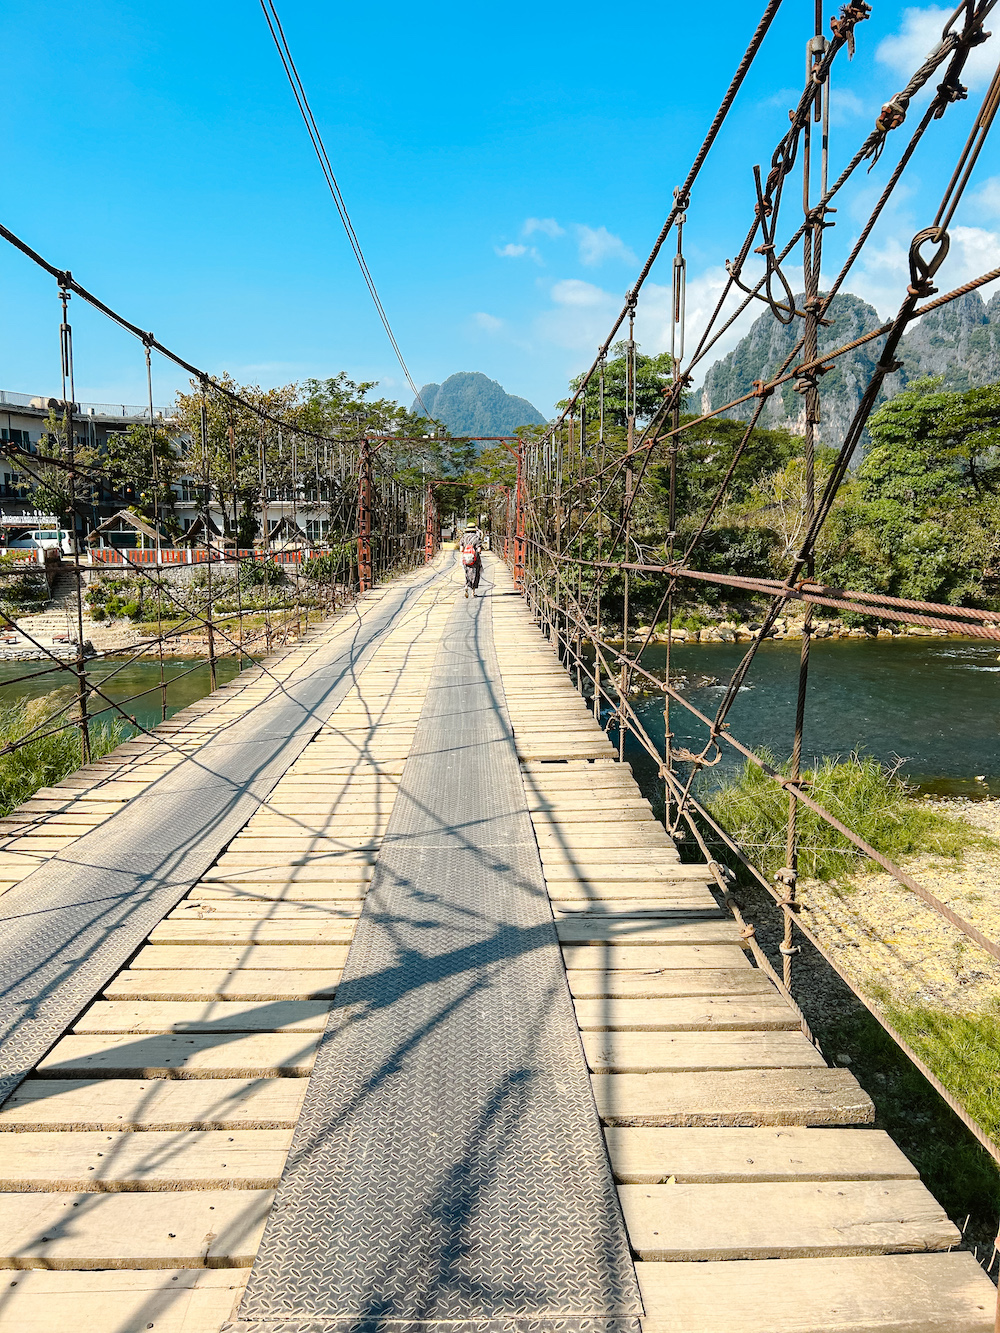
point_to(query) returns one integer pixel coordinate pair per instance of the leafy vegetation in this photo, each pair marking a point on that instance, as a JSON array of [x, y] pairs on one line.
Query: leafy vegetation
[[963, 1050], [859, 792], [50, 758]]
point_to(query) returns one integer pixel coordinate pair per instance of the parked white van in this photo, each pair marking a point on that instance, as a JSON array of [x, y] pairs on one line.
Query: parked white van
[[41, 539]]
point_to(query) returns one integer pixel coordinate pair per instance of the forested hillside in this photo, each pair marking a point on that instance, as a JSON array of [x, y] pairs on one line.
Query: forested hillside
[[959, 343], [470, 403]]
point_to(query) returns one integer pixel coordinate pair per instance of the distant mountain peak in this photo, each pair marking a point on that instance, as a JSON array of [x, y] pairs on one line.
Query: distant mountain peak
[[960, 342], [470, 403]]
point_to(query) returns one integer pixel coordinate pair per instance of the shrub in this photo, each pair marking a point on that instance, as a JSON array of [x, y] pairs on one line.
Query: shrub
[[262, 573], [97, 613], [42, 762], [860, 792], [335, 565]]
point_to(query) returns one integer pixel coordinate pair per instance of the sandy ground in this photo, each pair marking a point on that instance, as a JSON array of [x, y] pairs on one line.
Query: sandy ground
[[884, 936]]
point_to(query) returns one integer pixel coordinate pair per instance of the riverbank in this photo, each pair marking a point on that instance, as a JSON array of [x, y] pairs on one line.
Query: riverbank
[[732, 631], [893, 957], [40, 638]]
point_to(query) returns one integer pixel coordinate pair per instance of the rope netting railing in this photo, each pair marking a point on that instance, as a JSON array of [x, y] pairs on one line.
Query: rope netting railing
[[290, 522], [575, 541]]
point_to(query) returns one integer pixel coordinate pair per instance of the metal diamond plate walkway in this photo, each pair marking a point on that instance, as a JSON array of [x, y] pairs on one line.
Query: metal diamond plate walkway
[[449, 1164]]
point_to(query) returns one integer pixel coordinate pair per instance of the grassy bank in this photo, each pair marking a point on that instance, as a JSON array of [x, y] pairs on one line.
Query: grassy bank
[[50, 758], [859, 792], [928, 982], [956, 1169]]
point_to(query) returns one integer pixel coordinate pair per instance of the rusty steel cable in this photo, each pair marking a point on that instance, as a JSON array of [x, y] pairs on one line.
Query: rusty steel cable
[[722, 734]]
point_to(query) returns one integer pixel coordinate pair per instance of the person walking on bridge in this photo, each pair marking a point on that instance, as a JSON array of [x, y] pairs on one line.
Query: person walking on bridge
[[471, 547]]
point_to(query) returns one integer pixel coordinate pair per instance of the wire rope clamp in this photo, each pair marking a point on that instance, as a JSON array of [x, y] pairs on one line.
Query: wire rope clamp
[[787, 876], [891, 116], [850, 16]]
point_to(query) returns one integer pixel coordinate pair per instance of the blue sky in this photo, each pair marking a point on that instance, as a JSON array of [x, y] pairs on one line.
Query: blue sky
[[505, 169]]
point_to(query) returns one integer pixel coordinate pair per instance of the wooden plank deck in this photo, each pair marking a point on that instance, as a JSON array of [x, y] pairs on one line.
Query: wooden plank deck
[[756, 1196], [138, 1163]]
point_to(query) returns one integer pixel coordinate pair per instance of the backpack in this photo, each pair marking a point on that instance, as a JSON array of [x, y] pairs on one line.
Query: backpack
[[469, 556]]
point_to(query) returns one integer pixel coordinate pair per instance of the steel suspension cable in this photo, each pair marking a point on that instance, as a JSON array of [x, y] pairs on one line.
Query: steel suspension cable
[[322, 156]]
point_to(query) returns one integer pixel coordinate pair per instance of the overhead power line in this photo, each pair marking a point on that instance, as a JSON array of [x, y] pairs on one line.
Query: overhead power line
[[319, 147]]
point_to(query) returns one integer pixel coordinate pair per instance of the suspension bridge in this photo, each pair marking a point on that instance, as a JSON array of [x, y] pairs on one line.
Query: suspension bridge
[[369, 994]]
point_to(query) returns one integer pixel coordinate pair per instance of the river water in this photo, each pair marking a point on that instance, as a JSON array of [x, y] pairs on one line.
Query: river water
[[120, 679], [933, 703]]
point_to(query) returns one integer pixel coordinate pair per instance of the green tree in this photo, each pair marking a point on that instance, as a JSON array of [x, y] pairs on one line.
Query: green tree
[[141, 463], [653, 378], [920, 518]]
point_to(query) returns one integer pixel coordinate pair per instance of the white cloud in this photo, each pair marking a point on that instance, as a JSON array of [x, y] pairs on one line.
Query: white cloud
[[882, 277], [598, 244], [547, 226], [919, 34], [576, 292], [985, 202], [489, 323], [511, 251], [846, 106], [580, 317]]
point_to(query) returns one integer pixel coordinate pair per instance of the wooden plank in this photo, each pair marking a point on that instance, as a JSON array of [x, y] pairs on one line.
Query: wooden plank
[[581, 870], [905, 1293], [653, 1052], [643, 932], [95, 1161], [287, 872], [241, 908], [183, 1229], [712, 1013], [790, 1220], [342, 852], [698, 906], [204, 1016], [719, 1156], [611, 957], [276, 865], [192, 984], [599, 813], [580, 837], [643, 983], [186, 1300], [279, 891], [194, 1055], [600, 890], [572, 802], [733, 1097], [588, 858], [221, 957], [252, 931]]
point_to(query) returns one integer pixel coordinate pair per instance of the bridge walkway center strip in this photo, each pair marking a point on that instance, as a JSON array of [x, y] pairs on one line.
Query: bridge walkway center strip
[[448, 1167]]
